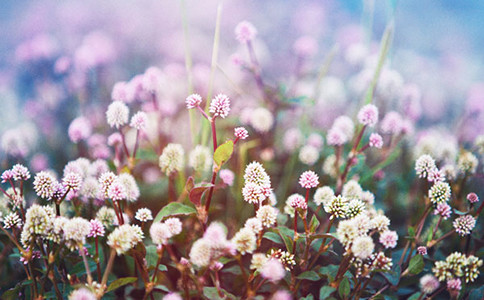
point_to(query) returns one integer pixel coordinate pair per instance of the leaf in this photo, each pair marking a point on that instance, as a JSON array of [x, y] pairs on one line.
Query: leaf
[[325, 291], [151, 256], [162, 268], [79, 269], [344, 288], [196, 193], [308, 297], [120, 282], [287, 240], [416, 265], [415, 296], [393, 276], [190, 184], [476, 294], [329, 271], [309, 275], [223, 153], [272, 236], [212, 293], [313, 224], [411, 232], [174, 209]]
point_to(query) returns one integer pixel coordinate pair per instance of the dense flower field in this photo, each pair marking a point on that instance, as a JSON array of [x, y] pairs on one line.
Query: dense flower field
[[211, 165]]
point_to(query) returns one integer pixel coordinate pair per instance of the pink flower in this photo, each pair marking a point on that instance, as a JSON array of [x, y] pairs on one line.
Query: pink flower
[[472, 198], [220, 106], [392, 123], [97, 228], [273, 270], [7, 175], [115, 139], [436, 175], [368, 115], [117, 191], [139, 120], [123, 91], [389, 239], [422, 250], [336, 137], [227, 176], [454, 284], [245, 32], [241, 133], [305, 46], [194, 100], [79, 129], [309, 179], [297, 201], [444, 210], [376, 140]]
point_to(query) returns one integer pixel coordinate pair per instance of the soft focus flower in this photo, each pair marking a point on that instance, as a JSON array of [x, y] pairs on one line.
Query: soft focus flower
[[172, 296], [245, 241], [346, 125], [389, 239], [368, 115], [117, 114], [160, 233], [267, 215], [305, 46], [79, 129], [143, 215], [193, 101], [444, 210], [76, 231], [200, 159], [125, 237], [422, 250], [245, 32], [123, 91], [392, 123], [241, 133], [472, 198], [220, 106], [362, 247], [323, 195], [352, 190], [428, 284], [336, 137], [97, 228], [467, 162], [454, 284], [82, 294], [376, 141], [258, 260], [139, 120], [436, 175], [308, 180], [7, 175], [174, 225], [464, 224], [201, 252], [308, 155], [261, 119], [253, 224], [227, 176], [171, 159], [273, 270]]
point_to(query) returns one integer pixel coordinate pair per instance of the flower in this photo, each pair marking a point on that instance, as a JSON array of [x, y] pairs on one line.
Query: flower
[[254, 224], [258, 260], [273, 270], [337, 207], [380, 223], [7, 175], [308, 155], [201, 252], [255, 173], [97, 228], [297, 201], [389, 239], [172, 296], [200, 159], [368, 115], [106, 216], [160, 233], [220, 106], [392, 123], [376, 140], [467, 162], [261, 119], [192, 101], [444, 210], [454, 284], [352, 190], [82, 294], [105, 180], [305, 46], [323, 195], [124, 238], [267, 215], [439, 192], [422, 250], [436, 175], [75, 231], [245, 32], [171, 159], [347, 231], [241, 133], [336, 137], [428, 284], [79, 129], [362, 247], [253, 193], [245, 241], [123, 91], [117, 191], [139, 120], [472, 198], [355, 208], [72, 181], [20, 172], [464, 224], [117, 114], [424, 165], [130, 186], [143, 215], [308, 180], [44, 184], [174, 225], [12, 220], [346, 125], [227, 176]]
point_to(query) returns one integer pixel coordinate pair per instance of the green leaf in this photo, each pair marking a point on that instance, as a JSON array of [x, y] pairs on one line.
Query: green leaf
[[329, 271], [309, 275], [414, 296], [308, 297], [79, 269], [212, 294], [411, 232], [326, 291], [272, 236], [196, 193], [151, 256], [344, 288], [286, 238], [223, 153], [313, 224], [393, 276], [120, 282], [174, 209], [416, 265], [162, 268]]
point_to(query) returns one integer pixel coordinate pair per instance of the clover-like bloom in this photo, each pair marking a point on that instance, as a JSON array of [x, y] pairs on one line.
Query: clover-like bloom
[[220, 106]]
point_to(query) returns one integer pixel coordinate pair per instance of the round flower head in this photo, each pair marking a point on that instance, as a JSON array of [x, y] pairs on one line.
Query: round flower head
[[292, 139], [346, 125], [464, 224], [362, 247], [254, 224], [347, 231], [444, 210], [106, 216], [139, 120], [124, 238], [368, 115], [355, 208], [454, 284], [308, 180], [152, 79], [337, 207], [200, 159], [174, 225], [308, 155], [376, 141], [201, 253], [352, 190], [267, 215], [380, 223], [143, 215], [439, 192], [79, 129], [253, 193], [105, 181], [273, 270], [392, 123], [422, 250], [194, 100], [12, 220], [241, 133], [220, 106], [97, 228], [72, 181], [424, 165], [172, 296], [44, 184], [7, 175], [261, 119], [245, 241], [336, 137], [255, 173], [117, 114], [297, 201], [472, 198], [428, 284], [305, 46], [216, 234], [130, 186], [258, 260], [76, 231], [20, 172], [467, 162], [245, 32], [389, 239], [436, 175], [171, 159], [323, 195], [82, 294], [115, 139], [123, 91], [117, 191], [227, 176], [160, 233]]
